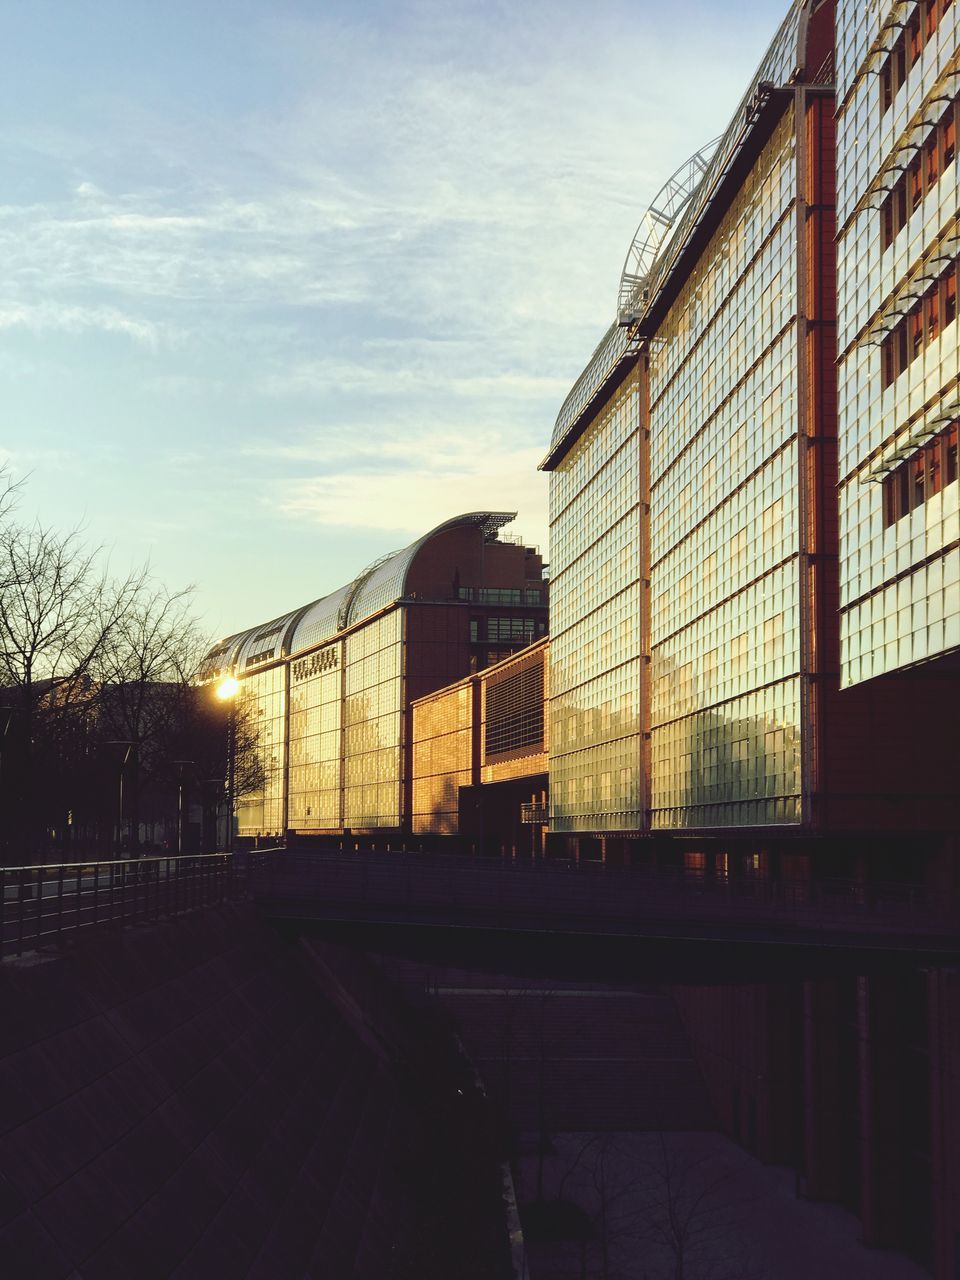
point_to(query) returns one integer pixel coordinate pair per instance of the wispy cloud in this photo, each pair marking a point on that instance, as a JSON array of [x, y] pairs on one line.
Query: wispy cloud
[[43, 317], [407, 481], [402, 375], [409, 492], [361, 257]]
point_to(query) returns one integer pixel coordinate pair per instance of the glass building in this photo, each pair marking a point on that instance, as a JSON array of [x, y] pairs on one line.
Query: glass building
[[323, 710], [687, 478], [754, 482]]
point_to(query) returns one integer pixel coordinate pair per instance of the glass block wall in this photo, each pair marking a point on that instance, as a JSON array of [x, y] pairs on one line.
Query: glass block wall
[[315, 739], [443, 752], [371, 723], [724, 524], [595, 657], [260, 714], [897, 213]]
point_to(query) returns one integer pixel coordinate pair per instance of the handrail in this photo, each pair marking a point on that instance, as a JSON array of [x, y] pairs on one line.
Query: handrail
[[111, 861], [42, 903]]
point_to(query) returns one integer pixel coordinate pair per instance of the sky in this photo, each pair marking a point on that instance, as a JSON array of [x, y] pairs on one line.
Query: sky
[[287, 284]]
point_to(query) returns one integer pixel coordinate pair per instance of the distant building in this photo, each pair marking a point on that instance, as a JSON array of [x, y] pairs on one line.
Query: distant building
[[326, 689]]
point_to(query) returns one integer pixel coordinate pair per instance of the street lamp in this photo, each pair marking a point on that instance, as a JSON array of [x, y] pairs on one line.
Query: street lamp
[[228, 688], [126, 754], [226, 691], [184, 768], [12, 782]]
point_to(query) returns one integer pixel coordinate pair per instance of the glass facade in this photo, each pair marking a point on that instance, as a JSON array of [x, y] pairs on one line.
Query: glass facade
[[371, 723], [345, 739], [316, 740], [724, 527], [260, 734], [595, 652], [898, 242], [443, 753]]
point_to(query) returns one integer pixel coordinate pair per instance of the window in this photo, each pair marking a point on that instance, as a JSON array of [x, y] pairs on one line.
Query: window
[[738, 654], [919, 470], [514, 710], [772, 524], [921, 325], [706, 483], [905, 54], [773, 638], [510, 629], [493, 595], [708, 577], [915, 184], [935, 156], [683, 504], [738, 444], [709, 669], [918, 478], [738, 550]]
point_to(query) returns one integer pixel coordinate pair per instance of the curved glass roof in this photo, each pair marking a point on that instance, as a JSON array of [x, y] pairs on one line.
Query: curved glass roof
[[318, 620], [615, 345], [385, 580], [780, 65], [264, 643], [656, 229], [379, 585]]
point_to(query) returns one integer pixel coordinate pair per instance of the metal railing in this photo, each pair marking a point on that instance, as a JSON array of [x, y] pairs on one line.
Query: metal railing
[[41, 904]]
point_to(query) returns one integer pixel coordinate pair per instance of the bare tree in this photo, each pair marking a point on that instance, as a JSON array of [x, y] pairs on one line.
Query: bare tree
[[86, 658], [57, 607], [659, 1212], [144, 680]]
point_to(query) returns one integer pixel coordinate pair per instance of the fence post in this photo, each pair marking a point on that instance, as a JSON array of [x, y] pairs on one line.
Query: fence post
[[60, 870], [39, 912]]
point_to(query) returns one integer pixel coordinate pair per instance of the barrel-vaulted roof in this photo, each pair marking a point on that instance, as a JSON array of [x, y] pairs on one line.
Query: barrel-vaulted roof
[[380, 584]]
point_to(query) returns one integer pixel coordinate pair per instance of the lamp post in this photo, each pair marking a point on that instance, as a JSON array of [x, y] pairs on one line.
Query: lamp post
[[11, 782], [227, 691], [183, 768], [125, 753]]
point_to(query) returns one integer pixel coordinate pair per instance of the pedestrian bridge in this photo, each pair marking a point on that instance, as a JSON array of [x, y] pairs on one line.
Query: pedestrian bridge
[[480, 895], [488, 893]]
